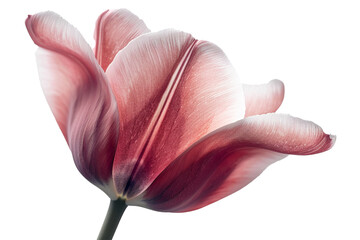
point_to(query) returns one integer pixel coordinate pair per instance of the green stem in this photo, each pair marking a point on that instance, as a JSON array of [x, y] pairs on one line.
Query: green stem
[[112, 219]]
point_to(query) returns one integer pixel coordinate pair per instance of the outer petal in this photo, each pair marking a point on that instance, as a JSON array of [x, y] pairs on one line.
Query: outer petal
[[77, 92], [265, 98], [171, 90], [114, 30], [229, 158]]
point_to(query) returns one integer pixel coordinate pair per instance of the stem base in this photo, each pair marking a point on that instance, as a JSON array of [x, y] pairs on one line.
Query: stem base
[[112, 219]]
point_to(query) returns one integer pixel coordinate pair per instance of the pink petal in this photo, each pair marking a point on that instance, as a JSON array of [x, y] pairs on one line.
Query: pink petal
[[228, 159], [171, 90], [76, 89], [114, 30], [265, 98]]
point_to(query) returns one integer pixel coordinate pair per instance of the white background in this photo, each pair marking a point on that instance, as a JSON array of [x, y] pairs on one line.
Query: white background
[[312, 46]]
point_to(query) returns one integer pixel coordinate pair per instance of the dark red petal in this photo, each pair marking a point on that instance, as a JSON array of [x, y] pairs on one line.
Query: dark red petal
[[114, 30], [77, 91], [265, 98], [171, 90], [228, 159]]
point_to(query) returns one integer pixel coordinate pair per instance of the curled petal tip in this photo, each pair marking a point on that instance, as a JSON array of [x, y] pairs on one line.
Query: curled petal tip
[[332, 140], [277, 81], [279, 84], [263, 98]]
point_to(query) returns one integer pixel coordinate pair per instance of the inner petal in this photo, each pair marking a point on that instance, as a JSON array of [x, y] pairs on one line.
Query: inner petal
[[171, 91]]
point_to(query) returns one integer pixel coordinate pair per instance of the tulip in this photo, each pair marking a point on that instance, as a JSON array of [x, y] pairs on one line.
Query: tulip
[[160, 120]]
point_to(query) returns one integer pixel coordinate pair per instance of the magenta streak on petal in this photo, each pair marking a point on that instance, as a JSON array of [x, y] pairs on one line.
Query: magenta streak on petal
[[154, 126]]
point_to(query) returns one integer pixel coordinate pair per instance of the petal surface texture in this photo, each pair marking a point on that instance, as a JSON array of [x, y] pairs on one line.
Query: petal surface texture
[[77, 91], [264, 98], [114, 30], [229, 158], [171, 90]]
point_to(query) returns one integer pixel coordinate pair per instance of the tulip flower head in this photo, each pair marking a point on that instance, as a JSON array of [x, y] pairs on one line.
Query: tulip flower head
[[160, 119]]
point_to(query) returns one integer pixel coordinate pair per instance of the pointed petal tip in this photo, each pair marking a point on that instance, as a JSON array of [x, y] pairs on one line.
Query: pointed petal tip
[[328, 141], [27, 21], [104, 12]]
